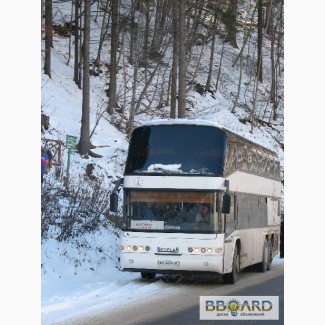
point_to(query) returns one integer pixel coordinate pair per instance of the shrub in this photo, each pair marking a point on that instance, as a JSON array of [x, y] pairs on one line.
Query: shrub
[[70, 209]]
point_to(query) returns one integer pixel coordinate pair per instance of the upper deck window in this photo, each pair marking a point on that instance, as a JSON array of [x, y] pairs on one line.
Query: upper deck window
[[176, 149]]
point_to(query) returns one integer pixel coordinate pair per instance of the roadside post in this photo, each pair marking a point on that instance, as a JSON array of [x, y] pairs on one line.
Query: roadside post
[[71, 143]]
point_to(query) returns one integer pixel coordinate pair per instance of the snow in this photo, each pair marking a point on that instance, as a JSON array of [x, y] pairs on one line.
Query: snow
[[61, 290], [92, 292], [69, 292], [82, 276], [169, 168]]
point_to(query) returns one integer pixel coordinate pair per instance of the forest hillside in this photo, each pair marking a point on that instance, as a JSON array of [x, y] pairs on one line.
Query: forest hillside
[[227, 66], [60, 99]]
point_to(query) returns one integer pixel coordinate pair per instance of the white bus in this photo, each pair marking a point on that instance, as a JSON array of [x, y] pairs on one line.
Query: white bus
[[173, 168]]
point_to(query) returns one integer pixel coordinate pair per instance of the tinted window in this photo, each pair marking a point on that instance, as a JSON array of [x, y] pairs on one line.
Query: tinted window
[[176, 149]]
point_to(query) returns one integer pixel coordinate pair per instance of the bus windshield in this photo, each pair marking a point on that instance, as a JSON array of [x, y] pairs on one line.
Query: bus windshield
[[167, 211], [176, 149]]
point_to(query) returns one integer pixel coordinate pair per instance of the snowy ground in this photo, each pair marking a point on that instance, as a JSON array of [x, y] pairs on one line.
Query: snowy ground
[[70, 290]]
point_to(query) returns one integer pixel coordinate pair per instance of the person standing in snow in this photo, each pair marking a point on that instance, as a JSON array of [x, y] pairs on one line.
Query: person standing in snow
[[44, 163]]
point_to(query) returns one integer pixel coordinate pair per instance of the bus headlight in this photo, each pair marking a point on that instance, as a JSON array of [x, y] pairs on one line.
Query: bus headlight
[[203, 250], [135, 248]]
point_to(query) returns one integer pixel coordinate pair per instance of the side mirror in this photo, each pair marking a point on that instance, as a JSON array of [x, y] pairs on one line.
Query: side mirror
[[226, 203], [113, 202]]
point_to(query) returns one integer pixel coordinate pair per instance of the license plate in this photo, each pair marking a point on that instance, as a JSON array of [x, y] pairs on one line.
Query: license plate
[[169, 263]]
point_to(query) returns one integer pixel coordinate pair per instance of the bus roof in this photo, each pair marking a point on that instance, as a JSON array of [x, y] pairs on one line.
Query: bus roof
[[200, 122]]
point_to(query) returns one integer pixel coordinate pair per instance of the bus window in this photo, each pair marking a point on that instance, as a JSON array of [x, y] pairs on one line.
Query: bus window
[[171, 211], [160, 149], [231, 217], [243, 211]]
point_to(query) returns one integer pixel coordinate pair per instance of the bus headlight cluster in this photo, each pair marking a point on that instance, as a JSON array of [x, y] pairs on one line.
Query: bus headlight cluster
[[135, 248], [203, 250]]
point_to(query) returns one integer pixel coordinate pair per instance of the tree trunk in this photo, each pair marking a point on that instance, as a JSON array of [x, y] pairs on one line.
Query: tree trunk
[[103, 33], [70, 32], [163, 9], [193, 31], [208, 83], [232, 23], [173, 91], [48, 37], [132, 33], [113, 65], [220, 65], [130, 124], [273, 68], [229, 19], [84, 143], [239, 83], [76, 66], [260, 26], [42, 16], [182, 61], [146, 41]]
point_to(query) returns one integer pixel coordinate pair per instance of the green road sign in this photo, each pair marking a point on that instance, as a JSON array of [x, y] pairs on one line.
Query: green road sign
[[71, 142]]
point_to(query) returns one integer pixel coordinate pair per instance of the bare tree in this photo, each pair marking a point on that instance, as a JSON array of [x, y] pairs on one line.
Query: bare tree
[[276, 38], [239, 83], [70, 32], [271, 31], [42, 16], [48, 37], [113, 65], [134, 87], [260, 26], [161, 26], [240, 55], [231, 24], [173, 91], [213, 41], [182, 61], [133, 32], [197, 8], [76, 68], [103, 31], [144, 61], [84, 144], [220, 65]]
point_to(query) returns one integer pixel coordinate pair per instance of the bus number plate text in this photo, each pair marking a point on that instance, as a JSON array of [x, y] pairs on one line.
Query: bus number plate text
[[169, 263]]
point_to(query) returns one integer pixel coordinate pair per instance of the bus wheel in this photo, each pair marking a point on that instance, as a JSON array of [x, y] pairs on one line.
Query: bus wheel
[[265, 264], [232, 277], [149, 276]]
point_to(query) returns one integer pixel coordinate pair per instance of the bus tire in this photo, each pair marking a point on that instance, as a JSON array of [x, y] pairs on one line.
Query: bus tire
[[265, 264], [269, 262], [148, 276], [232, 277]]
